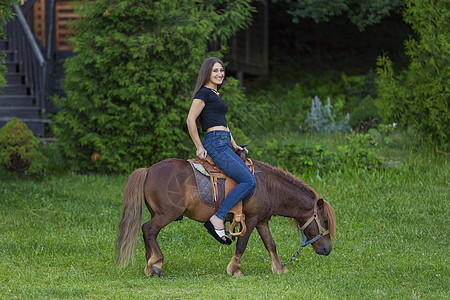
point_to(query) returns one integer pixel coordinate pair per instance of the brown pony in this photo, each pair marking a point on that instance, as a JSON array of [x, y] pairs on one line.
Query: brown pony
[[169, 191]]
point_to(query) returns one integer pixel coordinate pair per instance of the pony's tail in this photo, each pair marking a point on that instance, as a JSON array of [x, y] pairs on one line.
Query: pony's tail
[[132, 211]]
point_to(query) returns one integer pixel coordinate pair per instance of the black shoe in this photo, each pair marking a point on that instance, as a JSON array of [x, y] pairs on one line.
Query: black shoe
[[218, 234]]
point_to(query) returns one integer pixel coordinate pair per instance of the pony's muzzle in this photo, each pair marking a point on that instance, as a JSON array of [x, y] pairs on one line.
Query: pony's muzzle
[[324, 249]]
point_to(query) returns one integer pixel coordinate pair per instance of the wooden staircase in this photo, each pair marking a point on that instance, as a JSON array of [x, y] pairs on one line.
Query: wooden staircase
[[16, 99]]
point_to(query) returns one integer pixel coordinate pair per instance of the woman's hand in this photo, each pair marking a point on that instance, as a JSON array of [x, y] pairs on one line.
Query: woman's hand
[[236, 148], [201, 153]]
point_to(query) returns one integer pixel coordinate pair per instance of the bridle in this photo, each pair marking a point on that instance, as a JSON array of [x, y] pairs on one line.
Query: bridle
[[314, 217], [322, 232]]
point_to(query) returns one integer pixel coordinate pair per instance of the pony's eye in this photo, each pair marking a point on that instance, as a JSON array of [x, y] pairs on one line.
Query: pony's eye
[[326, 222]]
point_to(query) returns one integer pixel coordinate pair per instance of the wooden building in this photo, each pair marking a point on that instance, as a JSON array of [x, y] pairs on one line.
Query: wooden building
[[37, 44]]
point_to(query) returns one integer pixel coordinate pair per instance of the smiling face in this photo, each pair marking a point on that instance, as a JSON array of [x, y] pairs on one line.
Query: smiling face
[[217, 75]]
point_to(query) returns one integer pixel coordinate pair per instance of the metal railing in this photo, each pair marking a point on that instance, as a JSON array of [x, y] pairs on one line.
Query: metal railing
[[32, 62]]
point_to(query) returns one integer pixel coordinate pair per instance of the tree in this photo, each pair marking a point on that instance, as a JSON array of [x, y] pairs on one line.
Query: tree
[[5, 16], [362, 13], [128, 89], [419, 96]]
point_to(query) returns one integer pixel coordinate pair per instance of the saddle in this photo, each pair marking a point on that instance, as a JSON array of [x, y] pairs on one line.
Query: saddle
[[219, 186]]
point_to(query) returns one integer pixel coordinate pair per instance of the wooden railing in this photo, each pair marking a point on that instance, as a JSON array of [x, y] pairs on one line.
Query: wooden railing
[[33, 63]]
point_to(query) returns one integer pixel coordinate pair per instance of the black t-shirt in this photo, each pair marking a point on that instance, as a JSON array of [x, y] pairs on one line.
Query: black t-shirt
[[213, 114]]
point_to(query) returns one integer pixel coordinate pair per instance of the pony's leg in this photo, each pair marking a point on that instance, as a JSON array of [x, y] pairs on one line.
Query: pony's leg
[[234, 267], [269, 243], [153, 254]]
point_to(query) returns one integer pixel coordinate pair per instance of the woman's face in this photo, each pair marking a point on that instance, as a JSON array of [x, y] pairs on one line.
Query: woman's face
[[217, 74]]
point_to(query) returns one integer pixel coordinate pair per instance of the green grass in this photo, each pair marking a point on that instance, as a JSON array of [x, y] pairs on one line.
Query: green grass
[[57, 241]]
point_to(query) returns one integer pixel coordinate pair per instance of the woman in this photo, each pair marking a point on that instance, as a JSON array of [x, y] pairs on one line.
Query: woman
[[210, 110]]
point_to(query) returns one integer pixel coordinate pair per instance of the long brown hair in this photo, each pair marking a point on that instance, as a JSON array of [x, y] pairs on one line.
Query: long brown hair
[[203, 77], [205, 73]]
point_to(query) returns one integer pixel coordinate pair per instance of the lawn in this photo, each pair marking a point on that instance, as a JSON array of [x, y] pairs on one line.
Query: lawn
[[57, 241]]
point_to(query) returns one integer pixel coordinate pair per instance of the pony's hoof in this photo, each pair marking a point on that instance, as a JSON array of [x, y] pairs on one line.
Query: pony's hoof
[[157, 271], [279, 268], [235, 273], [153, 271], [238, 274], [283, 270], [234, 269]]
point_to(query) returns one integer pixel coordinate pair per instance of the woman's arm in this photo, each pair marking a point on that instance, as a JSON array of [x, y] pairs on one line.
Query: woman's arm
[[197, 106]]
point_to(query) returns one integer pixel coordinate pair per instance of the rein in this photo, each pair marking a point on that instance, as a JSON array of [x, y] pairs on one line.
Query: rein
[[322, 232]]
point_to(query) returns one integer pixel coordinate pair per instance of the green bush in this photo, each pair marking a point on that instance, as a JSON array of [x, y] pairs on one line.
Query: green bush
[[419, 96], [277, 110], [357, 152], [56, 161], [313, 160], [19, 150], [358, 87], [128, 89], [365, 115]]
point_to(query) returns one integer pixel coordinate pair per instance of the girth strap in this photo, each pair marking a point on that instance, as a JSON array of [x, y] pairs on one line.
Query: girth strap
[[215, 192]]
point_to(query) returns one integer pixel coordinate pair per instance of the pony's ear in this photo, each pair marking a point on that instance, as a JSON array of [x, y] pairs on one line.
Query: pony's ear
[[320, 204]]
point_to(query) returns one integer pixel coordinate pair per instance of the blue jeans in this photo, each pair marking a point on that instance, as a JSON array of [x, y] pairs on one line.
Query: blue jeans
[[217, 144]]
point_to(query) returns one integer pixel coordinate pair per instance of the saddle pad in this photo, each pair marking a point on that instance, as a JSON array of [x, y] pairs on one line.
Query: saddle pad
[[205, 189]]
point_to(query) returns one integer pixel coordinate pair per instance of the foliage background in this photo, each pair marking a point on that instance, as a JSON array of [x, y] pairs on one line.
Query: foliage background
[[5, 15], [360, 13], [128, 89], [419, 96]]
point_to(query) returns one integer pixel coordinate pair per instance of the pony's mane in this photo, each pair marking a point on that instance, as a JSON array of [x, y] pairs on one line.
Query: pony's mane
[[288, 177], [331, 219], [285, 176]]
